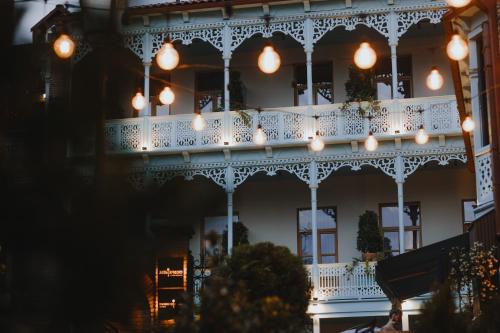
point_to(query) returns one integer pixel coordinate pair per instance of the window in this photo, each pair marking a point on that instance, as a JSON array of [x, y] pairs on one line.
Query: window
[[209, 91], [158, 81], [213, 232], [326, 220], [322, 75], [468, 213], [383, 78], [412, 223], [483, 96]]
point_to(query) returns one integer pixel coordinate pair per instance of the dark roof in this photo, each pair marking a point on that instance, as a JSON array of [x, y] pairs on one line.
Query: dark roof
[[414, 273]]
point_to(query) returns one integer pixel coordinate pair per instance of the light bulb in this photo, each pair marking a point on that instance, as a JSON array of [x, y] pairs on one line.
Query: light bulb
[[468, 125], [259, 137], [457, 48], [138, 101], [168, 57], [458, 3], [317, 144], [198, 122], [167, 96], [422, 137], [269, 60], [64, 47], [365, 57], [435, 80], [371, 143]]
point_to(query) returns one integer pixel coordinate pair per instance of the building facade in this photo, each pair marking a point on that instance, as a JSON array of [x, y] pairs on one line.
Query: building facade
[[284, 191]]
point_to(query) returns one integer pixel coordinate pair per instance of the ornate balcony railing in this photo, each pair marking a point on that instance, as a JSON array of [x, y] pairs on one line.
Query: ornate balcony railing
[[484, 183], [336, 281], [286, 126]]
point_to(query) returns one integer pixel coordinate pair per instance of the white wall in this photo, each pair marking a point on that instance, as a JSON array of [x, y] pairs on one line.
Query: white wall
[[268, 206]]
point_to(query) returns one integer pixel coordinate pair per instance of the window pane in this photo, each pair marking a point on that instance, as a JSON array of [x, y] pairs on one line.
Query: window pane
[[393, 242], [307, 260], [326, 219], [306, 244], [412, 240], [327, 243], [411, 215], [301, 95], [328, 259]]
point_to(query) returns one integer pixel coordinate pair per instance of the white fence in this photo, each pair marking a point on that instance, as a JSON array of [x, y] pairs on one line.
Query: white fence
[[336, 281], [283, 126]]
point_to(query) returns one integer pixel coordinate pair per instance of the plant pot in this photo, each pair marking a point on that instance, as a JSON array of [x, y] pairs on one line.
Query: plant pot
[[369, 256]]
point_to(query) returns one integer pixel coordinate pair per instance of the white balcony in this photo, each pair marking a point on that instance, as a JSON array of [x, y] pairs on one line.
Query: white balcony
[[336, 282], [288, 126], [484, 183]]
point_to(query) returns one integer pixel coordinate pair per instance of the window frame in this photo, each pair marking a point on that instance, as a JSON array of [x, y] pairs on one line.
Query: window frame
[[388, 79], [203, 249], [320, 232], [213, 93], [396, 229]]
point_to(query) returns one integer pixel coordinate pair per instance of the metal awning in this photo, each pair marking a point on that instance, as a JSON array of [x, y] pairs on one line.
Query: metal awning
[[414, 273]]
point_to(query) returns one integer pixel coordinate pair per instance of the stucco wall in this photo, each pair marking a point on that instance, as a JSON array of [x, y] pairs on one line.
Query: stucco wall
[[268, 206]]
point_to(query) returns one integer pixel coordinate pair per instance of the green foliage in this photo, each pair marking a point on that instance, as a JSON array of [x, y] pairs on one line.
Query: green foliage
[[360, 91], [236, 92], [370, 238], [488, 320], [439, 314], [240, 235]]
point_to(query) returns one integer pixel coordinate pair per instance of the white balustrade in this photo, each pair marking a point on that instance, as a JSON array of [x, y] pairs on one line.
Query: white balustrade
[[336, 281], [283, 126], [484, 183]]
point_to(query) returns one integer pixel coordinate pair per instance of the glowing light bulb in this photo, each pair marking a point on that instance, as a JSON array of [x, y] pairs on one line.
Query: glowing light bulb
[[198, 122], [269, 60], [435, 80], [317, 144], [371, 143], [167, 96], [468, 125], [168, 57], [259, 137], [64, 47], [138, 101], [365, 57], [457, 48], [422, 137], [458, 3]]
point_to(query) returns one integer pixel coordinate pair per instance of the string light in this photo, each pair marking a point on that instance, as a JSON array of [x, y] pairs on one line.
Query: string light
[[167, 96], [421, 137], [435, 80], [64, 46], [138, 101], [317, 144], [365, 57], [269, 60], [259, 137], [168, 57], [371, 143], [458, 3], [468, 125], [457, 48], [199, 122]]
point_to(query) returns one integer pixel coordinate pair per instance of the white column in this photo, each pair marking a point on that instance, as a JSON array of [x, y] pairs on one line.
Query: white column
[[227, 105], [147, 68], [399, 182], [313, 185], [316, 326], [229, 221], [229, 191], [393, 43], [308, 48], [226, 56], [309, 77]]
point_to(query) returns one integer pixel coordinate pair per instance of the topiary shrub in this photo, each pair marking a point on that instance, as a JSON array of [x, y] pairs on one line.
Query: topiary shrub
[[240, 235], [370, 238]]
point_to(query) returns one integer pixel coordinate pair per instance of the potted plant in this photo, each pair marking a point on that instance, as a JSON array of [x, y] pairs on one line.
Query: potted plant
[[370, 240], [361, 92]]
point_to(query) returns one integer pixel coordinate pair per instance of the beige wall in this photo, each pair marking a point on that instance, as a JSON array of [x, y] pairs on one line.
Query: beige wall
[[268, 206]]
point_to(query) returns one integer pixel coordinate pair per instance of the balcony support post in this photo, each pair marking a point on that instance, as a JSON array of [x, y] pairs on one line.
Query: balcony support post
[[226, 55], [400, 178], [229, 191], [313, 185], [309, 48], [147, 69], [393, 43]]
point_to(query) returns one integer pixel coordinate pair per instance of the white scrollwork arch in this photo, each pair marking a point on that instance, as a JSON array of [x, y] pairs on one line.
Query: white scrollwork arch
[[408, 18]]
